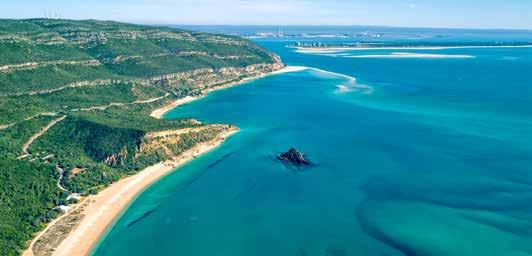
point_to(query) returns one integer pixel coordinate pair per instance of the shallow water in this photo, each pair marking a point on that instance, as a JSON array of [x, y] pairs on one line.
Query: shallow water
[[422, 156]]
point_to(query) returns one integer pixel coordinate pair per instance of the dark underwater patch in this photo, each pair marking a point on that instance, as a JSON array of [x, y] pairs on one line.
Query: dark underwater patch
[[219, 160], [137, 220]]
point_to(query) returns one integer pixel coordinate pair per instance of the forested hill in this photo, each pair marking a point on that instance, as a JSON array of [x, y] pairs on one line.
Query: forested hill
[[75, 99]]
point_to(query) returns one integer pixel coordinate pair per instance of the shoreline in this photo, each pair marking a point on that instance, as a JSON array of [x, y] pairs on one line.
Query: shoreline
[[160, 112], [104, 208]]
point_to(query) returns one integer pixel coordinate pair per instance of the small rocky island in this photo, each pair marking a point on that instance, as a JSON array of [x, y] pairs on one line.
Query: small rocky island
[[294, 156]]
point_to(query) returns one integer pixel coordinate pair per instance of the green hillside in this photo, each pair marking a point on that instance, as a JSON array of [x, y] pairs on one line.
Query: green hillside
[[75, 98]]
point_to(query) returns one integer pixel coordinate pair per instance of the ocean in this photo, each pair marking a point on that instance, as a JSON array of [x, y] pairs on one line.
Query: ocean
[[416, 151]]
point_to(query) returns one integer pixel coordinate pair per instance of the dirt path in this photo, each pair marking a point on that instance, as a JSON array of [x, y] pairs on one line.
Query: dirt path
[[93, 83], [5, 126], [32, 65], [25, 152], [61, 171], [114, 104]]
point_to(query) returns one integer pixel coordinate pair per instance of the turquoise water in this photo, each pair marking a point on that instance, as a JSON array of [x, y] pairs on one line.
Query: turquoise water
[[421, 156]]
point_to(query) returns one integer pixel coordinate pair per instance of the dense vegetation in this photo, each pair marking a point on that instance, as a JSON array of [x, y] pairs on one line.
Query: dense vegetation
[[28, 196], [87, 88]]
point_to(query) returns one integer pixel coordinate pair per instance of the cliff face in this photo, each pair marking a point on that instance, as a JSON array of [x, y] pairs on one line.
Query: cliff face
[[103, 78], [196, 81], [171, 143]]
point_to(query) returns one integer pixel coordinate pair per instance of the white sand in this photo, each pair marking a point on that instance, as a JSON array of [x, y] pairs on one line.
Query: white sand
[[340, 49], [107, 205], [159, 113]]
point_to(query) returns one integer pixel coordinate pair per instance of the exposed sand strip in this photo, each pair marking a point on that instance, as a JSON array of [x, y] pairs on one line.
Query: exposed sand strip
[[29, 251], [406, 55], [366, 48], [107, 205], [159, 113], [102, 209]]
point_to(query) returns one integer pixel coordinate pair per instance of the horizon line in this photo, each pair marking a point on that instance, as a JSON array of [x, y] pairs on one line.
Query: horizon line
[[335, 25], [284, 25]]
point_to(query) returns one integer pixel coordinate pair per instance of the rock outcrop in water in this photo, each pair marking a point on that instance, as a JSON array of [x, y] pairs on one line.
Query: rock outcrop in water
[[294, 156]]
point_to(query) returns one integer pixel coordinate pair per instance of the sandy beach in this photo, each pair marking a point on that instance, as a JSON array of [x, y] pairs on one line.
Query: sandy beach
[[159, 113], [102, 209]]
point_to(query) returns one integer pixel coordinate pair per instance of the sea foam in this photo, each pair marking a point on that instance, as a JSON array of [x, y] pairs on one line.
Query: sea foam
[[350, 85]]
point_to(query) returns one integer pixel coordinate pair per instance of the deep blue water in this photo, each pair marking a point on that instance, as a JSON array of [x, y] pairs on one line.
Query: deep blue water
[[369, 33], [422, 156]]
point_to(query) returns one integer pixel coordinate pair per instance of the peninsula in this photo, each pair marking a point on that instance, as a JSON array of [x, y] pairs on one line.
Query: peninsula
[[81, 132]]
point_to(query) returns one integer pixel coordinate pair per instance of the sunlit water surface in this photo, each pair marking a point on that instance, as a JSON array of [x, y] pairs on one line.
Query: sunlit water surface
[[420, 156]]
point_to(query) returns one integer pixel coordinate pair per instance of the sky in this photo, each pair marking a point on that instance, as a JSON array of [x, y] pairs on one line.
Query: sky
[[513, 14]]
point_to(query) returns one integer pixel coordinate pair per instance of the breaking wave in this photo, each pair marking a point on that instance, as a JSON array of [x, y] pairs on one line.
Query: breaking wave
[[350, 85]]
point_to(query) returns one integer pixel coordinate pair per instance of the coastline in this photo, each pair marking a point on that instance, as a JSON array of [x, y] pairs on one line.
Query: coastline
[[105, 207], [101, 210], [160, 112]]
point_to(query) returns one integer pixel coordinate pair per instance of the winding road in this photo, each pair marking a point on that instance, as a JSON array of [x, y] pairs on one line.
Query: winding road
[[26, 145]]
